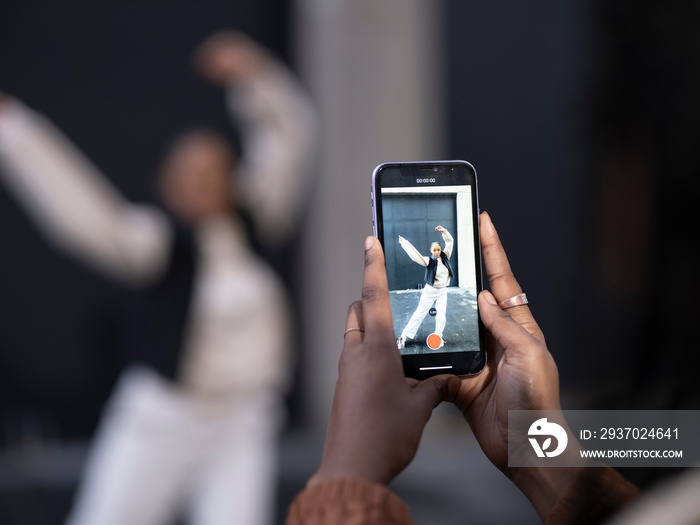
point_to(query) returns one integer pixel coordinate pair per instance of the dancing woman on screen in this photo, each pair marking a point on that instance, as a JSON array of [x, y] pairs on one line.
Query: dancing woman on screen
[[437, 278], [194, 423]]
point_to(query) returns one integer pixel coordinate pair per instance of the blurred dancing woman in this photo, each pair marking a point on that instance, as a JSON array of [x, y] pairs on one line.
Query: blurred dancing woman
[[437, 278], [192, 427]]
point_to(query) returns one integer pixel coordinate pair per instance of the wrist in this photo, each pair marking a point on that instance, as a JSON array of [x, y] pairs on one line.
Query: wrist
[[352, 467], [249, 68], [326, 474], [543, 486]]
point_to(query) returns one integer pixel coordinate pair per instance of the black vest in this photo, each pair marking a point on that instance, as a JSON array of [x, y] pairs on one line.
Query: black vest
[[431, 270], [156, 316]]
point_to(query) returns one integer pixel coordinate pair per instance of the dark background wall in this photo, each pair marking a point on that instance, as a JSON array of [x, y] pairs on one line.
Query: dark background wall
[[582, 120], [117, 78], [517, 78]]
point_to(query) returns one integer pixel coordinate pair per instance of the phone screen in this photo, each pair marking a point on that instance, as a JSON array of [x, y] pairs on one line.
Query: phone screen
[[426, 216]]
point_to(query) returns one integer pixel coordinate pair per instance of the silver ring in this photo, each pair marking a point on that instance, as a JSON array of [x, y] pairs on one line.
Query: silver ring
[[353, 329], [516, 300]]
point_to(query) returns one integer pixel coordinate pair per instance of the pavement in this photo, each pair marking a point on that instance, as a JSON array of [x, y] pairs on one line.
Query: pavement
[[461, 330]]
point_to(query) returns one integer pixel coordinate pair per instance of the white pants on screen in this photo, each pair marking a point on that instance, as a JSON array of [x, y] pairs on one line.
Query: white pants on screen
[[428, 296]]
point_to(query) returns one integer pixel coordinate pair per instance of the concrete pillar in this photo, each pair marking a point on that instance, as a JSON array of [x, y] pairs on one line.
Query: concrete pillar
[[376, 70]]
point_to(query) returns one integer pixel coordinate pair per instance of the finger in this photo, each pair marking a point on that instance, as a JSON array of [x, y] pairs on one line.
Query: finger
[[508, 333], [376, 307], [435, 390], [500, 276], [354, 325]]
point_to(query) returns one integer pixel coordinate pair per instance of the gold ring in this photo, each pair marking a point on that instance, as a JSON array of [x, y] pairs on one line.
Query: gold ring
[[516, 300], [353, 329]]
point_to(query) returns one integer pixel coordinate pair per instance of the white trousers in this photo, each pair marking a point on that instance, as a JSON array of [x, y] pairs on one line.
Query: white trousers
[[160, 454], [428, 296]]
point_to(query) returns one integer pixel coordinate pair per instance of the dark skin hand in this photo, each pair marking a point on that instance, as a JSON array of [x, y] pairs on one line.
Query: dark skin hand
[[378, 415], [520, 374], [229, 56]]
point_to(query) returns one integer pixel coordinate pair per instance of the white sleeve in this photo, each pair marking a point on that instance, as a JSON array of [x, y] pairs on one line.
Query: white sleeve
[[449, 243], [74, 205], [279, 134], [414, 254]]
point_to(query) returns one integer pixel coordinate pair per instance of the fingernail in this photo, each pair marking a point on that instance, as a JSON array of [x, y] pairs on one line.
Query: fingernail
[[489, 297], [369, 242]]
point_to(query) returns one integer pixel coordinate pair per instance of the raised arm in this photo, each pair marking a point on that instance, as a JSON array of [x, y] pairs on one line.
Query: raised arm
[[449, 241], [279, 129], [413, 253], [72, 203]]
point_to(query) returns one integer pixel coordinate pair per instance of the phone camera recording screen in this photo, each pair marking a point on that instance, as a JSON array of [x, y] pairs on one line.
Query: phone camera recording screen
[[427, 223]]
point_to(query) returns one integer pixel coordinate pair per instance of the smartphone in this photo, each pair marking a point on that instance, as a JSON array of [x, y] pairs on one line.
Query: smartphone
[[426, 215]]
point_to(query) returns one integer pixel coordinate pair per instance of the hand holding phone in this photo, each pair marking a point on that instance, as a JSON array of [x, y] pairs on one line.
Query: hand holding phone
[[526, 380], [378, 416]]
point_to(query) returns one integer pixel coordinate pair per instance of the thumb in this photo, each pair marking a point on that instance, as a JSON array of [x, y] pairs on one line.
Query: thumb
[[435, 390]]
